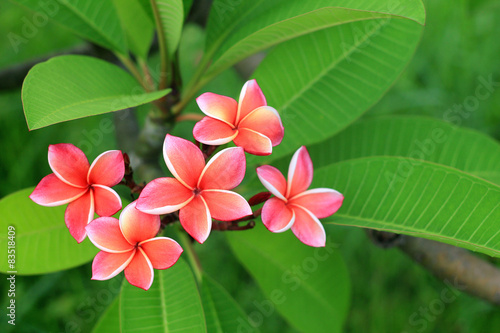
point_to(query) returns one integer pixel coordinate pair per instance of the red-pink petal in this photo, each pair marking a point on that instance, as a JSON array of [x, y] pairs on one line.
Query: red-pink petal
[[184, 160], [196, 219], [219, 107], [164, 196], [106, 235], [226, 205], [253, 142], [265, 120], [107, 201], [224, 171], [322, 202], [137, 226], [51, 191], [140, 272], [276, 216], [78, 214], [308, 228], [213, 132], [273, 180], [107, 265], [107, 169], [69, 164], [300, 172], [251, 97], [162, 252]]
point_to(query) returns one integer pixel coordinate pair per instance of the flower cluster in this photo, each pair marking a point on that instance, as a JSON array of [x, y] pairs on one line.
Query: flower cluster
[[198, 192]]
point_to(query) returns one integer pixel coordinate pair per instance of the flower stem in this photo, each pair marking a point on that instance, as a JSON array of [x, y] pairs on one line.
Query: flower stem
[[187, 245]]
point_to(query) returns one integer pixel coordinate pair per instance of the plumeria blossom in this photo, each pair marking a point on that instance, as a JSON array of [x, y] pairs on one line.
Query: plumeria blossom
[[87, 188], [199, 191], [251, 124], [130, 244], [294, 206]]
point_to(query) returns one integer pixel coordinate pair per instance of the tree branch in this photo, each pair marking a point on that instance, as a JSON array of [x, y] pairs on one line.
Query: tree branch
[[474, 275]]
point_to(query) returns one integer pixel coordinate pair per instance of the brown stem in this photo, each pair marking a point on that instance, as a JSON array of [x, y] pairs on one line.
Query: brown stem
[[231, 226], [468, 272], [128, 179]]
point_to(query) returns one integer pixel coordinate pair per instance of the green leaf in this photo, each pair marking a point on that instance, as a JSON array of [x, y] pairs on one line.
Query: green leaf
[[97, 22], [172, 19], [308, 286], [222, 312], [70, 87], [237, 30], [171, 304], [109, 322], [320, 90], [43, 243], [140, 33], [410, 136], [416, 198]]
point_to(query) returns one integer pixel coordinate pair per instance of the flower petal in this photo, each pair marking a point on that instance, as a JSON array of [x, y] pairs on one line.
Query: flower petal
[[276, 216], [273, 180], [300, 172], [322, 202], [184, 160], [108, 265], [251, 97], [196, 220], [107, 201], [162, 252], [253, 142], [224, 171], [137, 226], [69, 164], [106, 235], [226, 205], [308, 228], [213, 132], [265, 120], [51, 191], [78, 214], [219, 107], [140, 272], [107, 169], [164, 196]]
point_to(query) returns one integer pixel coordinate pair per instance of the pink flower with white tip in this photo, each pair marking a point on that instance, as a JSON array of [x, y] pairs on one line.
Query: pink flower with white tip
[[251, 124], [199, 191], [130, 244], [294, 206], [87, 188]]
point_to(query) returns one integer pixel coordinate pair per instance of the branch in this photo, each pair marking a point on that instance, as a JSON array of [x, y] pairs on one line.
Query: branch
[[472, 274]]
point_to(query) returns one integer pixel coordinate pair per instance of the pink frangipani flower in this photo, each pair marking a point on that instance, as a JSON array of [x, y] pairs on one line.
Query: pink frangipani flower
[[294, 206], [199, 191], [87, 188], [130, 244], [251, 124]]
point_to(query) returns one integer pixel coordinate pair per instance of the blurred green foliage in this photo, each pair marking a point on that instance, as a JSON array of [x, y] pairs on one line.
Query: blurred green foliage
[[390, 292]]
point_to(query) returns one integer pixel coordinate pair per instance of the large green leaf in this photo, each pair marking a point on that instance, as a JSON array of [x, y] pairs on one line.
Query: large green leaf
[[172, 19], [70, 87], [96, 21], [417, 198], [109, 322], [308, 286], [410, 136], [172, 304], [43, 243], [237, 30], [323, 81], [222, 312], [140, 33]]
